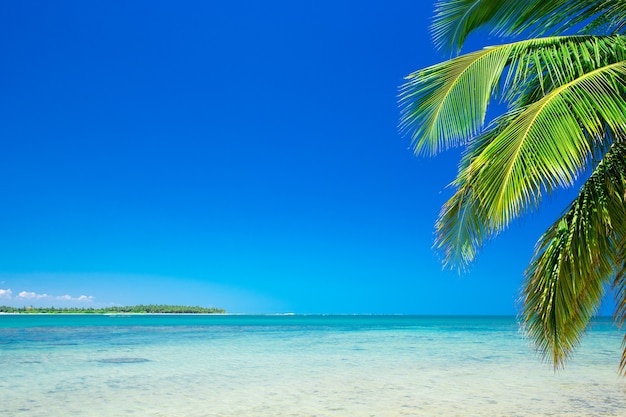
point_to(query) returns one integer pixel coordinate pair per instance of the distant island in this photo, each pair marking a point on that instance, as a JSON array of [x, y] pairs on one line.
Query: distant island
[[138, 309]]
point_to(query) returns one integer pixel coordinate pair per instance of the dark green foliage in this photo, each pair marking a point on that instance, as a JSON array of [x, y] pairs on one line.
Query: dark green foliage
[[138, 309]]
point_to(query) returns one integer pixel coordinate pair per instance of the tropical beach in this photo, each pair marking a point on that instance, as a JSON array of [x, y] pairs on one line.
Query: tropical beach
[[317, 209], [205, 366]]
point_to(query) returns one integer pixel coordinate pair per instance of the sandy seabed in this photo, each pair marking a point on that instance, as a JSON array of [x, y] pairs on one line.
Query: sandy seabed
[[305, 372]]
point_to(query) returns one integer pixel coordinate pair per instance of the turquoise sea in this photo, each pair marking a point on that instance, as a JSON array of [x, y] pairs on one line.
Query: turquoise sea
[[231, 365]]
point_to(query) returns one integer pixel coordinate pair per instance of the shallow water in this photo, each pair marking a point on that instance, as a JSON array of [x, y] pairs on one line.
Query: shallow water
[[201, 366]]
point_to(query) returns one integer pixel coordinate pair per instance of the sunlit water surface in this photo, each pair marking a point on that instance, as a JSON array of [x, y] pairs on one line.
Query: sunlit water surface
[[201, 366]]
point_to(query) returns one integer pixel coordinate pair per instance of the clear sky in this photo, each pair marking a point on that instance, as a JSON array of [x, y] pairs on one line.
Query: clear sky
[[242, 155]]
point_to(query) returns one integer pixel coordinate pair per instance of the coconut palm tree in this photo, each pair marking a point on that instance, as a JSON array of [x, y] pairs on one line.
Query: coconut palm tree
[[564, 89]]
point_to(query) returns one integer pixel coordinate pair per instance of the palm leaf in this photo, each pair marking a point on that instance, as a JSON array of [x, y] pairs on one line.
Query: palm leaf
[[455, 20], [533, 154], [506, 170], [609, 17], [463, 223], [575, 259], [445, 104], [565, 112], [461, 228], [619, 286]]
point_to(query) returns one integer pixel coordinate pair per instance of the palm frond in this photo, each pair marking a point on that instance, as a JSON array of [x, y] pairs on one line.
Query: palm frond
[[566, 110], [536, 72], [461, 228], [463, 224], [455, 20], [619, 284], [444, 105], [609, 16], [535, 154], [575, 259]]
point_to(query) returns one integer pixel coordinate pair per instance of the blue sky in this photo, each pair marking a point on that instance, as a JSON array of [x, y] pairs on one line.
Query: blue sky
[[243, 155]]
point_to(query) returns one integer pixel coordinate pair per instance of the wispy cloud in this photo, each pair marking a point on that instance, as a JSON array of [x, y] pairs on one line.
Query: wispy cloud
[[31, 295], [67, 297], [7, 294]]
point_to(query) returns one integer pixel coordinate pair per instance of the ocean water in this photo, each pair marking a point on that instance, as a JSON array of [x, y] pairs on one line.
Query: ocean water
[[210, 366]]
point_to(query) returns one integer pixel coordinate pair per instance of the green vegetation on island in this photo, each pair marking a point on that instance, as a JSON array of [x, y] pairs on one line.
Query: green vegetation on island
[[138, 309]]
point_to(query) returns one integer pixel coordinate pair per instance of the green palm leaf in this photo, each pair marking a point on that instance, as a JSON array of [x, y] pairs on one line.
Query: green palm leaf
[[620, 312], [433, 99], [508, 169], [461, 228], [565, 116], [455, 20], [463, 225], [575, 260], [609, 17], [535, 154], [444, 105]]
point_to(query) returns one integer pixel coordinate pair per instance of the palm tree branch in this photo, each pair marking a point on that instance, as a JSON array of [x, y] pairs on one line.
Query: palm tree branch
[[575, 260], [455, 20], [463, 225], [533, 154], [445, 104]]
